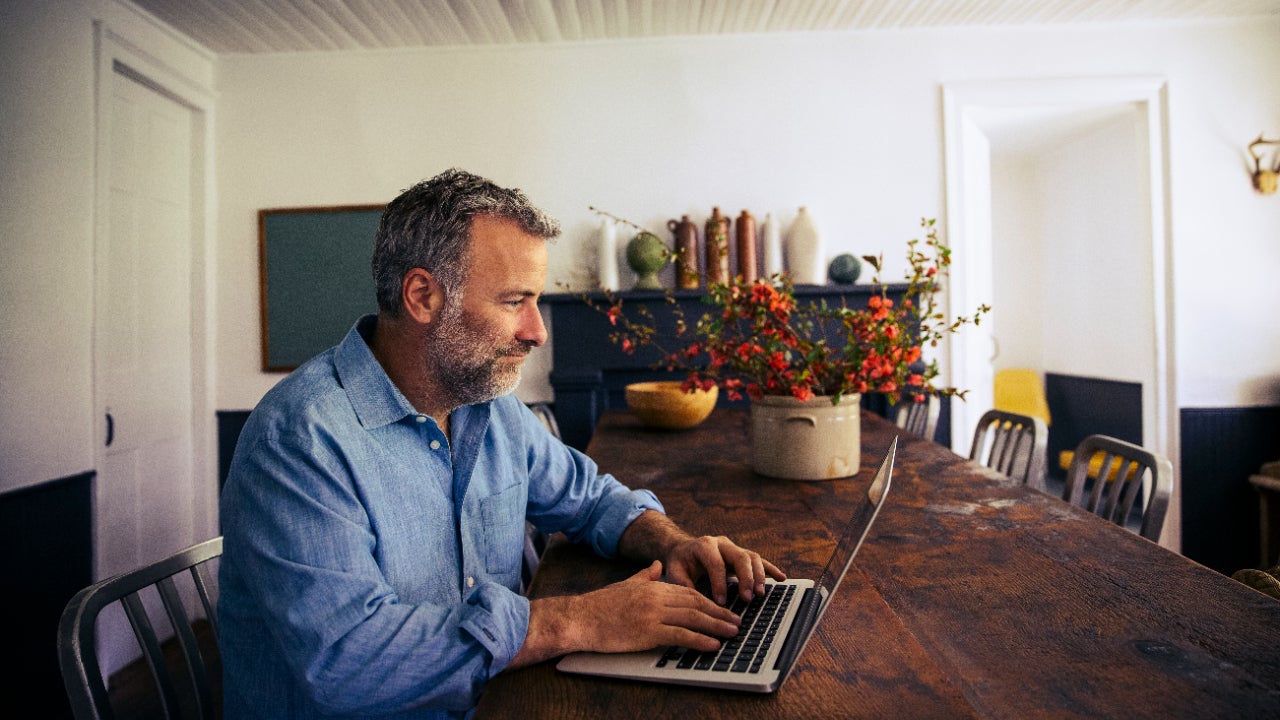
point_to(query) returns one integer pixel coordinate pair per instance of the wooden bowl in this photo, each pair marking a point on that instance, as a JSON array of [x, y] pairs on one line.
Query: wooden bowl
[[663, 404]]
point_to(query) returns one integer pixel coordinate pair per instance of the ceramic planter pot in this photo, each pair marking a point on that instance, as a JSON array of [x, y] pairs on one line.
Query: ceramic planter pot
[[806, 440]]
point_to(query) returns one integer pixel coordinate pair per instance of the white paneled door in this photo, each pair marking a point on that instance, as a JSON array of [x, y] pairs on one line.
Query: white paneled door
[[143, 333]]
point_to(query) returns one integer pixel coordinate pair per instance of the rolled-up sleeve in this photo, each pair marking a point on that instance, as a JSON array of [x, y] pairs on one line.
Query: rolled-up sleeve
[[498, 620]]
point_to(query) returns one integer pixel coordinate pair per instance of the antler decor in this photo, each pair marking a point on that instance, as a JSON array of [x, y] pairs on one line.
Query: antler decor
[[1264, 179]]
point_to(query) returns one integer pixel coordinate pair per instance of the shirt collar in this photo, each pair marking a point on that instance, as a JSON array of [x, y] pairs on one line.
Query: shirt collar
[[376, 400]]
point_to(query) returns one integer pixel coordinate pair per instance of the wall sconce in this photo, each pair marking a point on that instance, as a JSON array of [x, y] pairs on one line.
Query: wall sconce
[[1264, 179]]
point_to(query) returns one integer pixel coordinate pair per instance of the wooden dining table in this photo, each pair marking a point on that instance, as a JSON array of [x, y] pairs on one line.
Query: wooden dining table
[[974, 596]]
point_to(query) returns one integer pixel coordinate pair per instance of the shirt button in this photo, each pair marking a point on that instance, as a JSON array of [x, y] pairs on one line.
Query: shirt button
[[421, 418], [435, 444], [471, 582]]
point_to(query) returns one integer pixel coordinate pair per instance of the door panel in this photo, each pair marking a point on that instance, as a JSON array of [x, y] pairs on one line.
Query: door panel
[[143, 335]]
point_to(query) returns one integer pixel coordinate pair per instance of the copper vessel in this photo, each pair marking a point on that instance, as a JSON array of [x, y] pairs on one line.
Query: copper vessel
[[748, 267], [717, 248], [688, 274]]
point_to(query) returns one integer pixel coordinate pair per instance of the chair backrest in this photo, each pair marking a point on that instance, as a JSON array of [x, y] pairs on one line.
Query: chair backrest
[[920, 418], [1126, 471], [190, 692], [1013, 444]]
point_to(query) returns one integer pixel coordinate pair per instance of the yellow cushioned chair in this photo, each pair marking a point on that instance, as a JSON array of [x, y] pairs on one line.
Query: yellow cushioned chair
[[1021, 391]]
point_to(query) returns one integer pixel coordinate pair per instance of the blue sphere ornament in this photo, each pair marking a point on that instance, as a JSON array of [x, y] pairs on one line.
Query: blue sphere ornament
[[844, 269]]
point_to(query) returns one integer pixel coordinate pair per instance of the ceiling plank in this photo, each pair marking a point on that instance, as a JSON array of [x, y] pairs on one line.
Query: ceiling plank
[[261, 26]]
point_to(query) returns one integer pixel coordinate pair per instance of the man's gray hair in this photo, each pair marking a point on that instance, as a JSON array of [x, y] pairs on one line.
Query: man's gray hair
[[429, 226]]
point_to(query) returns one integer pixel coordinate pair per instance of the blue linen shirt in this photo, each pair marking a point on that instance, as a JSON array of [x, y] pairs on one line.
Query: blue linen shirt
[[372, 568]]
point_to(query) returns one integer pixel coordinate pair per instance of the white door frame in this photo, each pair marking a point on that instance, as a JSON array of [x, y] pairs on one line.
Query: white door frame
[[969, 228], [115, 52]]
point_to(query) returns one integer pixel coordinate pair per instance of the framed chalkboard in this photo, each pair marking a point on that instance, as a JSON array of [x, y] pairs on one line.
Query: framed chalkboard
[[315, 278]]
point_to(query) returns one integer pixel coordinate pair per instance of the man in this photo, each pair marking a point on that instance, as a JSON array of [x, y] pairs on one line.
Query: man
[[374, 512]]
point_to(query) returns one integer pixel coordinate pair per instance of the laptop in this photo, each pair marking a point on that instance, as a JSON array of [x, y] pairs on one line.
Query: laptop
[[775, 626]]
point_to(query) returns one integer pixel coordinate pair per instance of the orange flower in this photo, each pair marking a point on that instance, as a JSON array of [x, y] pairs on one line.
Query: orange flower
[[802, 393]]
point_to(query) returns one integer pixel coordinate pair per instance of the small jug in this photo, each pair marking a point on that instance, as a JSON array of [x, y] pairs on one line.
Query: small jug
[[686, 244], [748, 268], [717, 248]]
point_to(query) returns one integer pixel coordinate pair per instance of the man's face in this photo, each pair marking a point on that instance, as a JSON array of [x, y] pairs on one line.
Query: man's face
[[477, 347]]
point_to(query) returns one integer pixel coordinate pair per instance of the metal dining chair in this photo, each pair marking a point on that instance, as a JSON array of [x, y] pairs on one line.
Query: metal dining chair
[[1013, 444], [919, 418], [191, 690], [1128, 476]]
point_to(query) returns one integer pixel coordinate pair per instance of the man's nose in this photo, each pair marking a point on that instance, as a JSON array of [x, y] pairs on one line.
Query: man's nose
[[532, 330]]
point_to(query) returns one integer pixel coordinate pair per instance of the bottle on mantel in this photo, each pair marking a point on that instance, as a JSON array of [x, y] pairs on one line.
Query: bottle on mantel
[[805, 257], [717, 248], [746, 231], [772, 246], [686, 244], [607, 260]]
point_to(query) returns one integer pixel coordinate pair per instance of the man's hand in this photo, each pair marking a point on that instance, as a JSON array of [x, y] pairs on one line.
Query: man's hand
[[688, 558], [639, 613], [718, 558]]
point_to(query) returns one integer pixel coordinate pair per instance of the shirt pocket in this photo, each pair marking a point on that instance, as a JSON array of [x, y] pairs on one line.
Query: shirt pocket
[[503, 518]]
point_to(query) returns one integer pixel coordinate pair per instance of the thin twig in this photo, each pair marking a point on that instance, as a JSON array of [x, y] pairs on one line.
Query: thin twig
[[625, 221]]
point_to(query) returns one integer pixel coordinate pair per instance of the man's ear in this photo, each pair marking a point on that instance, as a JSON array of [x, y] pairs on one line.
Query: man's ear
[[422, 296]]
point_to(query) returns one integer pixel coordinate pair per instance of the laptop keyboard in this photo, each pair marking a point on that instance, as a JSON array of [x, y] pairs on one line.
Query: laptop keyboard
[[745, 653]]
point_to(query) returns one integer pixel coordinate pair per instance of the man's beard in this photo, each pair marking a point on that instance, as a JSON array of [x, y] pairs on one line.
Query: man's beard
[[467, 364]]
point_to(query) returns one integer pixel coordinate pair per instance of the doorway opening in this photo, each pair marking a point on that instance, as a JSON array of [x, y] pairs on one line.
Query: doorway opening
[[1056, 202]]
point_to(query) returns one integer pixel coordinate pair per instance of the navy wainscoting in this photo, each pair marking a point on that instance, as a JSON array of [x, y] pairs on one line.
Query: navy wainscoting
[[1221, 448], [46, 556], [230, 423]]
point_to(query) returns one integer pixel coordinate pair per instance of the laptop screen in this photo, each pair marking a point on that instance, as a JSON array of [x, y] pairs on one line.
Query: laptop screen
[[850, 542], [859, 524]]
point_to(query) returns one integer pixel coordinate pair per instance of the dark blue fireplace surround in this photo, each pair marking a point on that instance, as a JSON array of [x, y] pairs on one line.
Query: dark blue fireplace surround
[[590, 372]]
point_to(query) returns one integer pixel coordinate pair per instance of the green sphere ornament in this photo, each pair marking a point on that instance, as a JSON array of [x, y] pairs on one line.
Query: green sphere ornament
[[844, 269], [647, 255]]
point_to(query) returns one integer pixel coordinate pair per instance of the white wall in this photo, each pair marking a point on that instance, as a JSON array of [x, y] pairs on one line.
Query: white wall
[[46, 250], [646, 130], [1018, 320], [846, 123], [47, 70], [1096, 256]]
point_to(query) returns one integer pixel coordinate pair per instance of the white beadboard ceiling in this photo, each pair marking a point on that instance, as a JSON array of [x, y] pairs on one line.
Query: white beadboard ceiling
[[280, 26]]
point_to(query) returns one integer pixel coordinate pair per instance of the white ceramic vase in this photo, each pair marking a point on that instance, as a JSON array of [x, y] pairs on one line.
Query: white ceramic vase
[[607, 262], [772, 246], [806, 439], [805, 257]]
